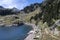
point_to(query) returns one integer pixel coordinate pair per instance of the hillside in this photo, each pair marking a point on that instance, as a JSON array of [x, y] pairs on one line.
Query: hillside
[[45, 15], [47, 11], [39, 11]]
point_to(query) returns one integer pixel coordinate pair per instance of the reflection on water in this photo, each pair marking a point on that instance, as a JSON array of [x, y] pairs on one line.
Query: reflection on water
[[14, 33]]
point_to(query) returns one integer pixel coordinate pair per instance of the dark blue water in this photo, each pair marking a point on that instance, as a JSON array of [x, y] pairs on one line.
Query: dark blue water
[[14, 33]]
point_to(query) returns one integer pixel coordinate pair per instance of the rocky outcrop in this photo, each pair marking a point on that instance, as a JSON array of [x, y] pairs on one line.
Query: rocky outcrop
[[56, 24]]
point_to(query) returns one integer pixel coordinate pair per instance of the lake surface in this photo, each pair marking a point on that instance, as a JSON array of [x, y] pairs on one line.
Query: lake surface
[[14, 33]]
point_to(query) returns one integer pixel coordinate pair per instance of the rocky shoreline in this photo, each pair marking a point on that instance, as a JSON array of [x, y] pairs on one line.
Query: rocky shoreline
[[10, 20], [10, 25]]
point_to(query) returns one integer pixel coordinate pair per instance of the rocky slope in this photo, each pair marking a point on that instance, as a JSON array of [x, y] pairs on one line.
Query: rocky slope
[[47, 11], [50, 12]]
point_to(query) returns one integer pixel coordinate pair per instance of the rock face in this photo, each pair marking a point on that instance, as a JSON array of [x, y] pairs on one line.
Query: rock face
[[15, 10]]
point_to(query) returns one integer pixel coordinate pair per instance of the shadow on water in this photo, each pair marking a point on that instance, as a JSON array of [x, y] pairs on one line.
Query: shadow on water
[[14, 33]]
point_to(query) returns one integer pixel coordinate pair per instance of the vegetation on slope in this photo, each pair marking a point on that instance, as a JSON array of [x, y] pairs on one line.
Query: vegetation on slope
[[50, 11]]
